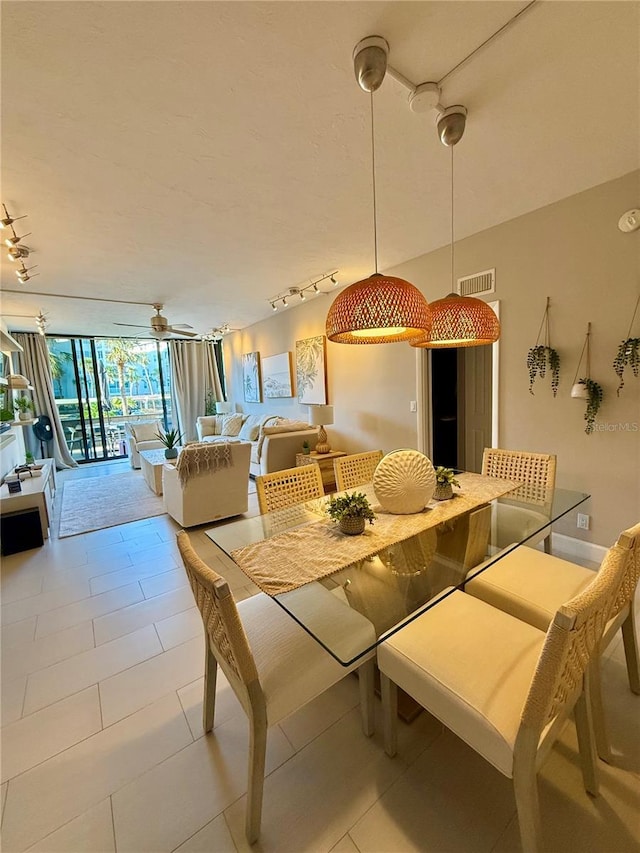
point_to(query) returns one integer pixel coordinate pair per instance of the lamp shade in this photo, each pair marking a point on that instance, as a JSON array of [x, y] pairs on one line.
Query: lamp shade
[[381, 309], [460, 321], [223, 408], [320, 415]]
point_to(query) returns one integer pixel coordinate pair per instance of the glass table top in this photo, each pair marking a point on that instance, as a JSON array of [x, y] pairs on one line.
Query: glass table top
[[405, 579]]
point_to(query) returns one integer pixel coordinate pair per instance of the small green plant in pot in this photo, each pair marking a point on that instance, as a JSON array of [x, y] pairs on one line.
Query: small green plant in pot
[[594, 397], [23, 407], [28, 458], [171, 439], [306, 448], [445, 481], [351, 512]]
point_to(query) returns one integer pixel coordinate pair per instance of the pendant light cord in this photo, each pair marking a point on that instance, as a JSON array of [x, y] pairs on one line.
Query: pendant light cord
[[452, 232], [373, 184]]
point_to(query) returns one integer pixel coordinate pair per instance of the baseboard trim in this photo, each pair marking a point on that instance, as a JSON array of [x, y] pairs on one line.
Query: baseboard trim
[[577, 547]]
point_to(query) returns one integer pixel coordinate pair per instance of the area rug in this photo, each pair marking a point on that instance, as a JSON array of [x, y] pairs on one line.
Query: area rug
[[96, 502]]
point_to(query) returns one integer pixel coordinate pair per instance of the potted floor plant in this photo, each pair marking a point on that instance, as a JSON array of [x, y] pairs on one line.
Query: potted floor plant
[[171, 439], [24, 407], [351, 512], [445, 481]]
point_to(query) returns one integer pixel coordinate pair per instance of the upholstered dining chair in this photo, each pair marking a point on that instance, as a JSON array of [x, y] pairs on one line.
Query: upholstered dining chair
[[537, 473], [283, 489], [531, 586], [272, 664], [501, 685], [356, 469]]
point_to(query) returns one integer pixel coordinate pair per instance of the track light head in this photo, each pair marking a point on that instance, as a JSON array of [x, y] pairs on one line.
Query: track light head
[[284, 301], [8, 220], [316, 289], [451, 125], [333, 280], [17, 252], [274, 306], [14, 239], [370, 62]]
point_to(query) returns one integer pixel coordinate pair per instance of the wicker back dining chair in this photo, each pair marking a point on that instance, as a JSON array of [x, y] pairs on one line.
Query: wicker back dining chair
[[537, 473], [282, 489], [356, 469], [501, 685], [531, 586], [272, 664]]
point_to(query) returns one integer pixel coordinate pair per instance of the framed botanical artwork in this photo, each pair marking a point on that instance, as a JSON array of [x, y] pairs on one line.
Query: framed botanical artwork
[[311, 377], [251, 377], [277, 380]]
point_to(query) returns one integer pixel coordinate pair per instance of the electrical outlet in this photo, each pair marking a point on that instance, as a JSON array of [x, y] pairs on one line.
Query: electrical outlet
[[413, 406], [583, 521]]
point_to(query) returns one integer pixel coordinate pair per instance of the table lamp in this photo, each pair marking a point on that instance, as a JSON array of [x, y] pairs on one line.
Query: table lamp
[[223, 408], [321, 416]]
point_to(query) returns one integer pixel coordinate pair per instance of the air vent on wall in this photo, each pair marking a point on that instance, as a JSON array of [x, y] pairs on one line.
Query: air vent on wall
[[478, 283]]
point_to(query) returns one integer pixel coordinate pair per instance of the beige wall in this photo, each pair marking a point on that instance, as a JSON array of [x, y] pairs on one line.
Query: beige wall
[[571, 251]]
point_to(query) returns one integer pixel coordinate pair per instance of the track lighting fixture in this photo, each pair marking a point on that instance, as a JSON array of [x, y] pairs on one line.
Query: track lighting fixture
[[312, 287], [23, 272], [14, 239], [8, 220], [17, 252]]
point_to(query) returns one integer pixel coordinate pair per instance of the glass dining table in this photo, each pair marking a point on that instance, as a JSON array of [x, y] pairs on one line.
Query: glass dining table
[[393, 579]]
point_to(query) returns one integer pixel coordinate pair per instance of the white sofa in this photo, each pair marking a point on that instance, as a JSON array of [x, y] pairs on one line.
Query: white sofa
[[274, 440], [141, 435], [211, 494]]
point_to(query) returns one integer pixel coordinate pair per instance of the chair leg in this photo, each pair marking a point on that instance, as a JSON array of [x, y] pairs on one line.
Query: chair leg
[[525, 785], [210, 677], [389, 691], [255, 786], [586, 743], [630, 640], [547, 544], [366, 683], [593, 693]]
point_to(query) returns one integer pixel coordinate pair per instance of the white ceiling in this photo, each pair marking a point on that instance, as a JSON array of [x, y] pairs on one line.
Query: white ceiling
[[209, 155]]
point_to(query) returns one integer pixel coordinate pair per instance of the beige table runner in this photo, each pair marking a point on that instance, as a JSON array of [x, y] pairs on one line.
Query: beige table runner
[[289, 560]]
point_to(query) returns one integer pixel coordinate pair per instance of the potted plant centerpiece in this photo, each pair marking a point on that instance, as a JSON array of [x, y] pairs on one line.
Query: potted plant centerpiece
[[171, 439], [445, 481], [23, 407], [351, 512]]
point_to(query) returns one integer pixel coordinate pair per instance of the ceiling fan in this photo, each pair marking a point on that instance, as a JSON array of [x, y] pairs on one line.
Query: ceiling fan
[[159, 327]]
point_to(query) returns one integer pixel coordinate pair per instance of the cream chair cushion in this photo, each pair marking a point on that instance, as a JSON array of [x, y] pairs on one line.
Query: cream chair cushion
[[464, 647], [145, 430], [291, 665], [251, 428], [209, 425], [529, 585]]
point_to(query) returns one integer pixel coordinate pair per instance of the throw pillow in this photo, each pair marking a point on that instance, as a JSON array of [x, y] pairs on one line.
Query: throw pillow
[[208, 425], [250, 428], [285, 426], [231, 424], [145, 430]]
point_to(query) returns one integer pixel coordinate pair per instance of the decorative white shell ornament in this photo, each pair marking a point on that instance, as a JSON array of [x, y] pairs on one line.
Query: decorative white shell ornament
[[404, 482]]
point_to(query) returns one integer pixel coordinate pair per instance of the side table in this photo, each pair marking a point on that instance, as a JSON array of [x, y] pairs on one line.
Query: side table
[[325, 462]]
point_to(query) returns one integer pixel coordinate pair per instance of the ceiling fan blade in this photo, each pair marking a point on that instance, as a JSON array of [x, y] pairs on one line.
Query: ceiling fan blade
[[182, 332], [181, 326], [132, 325]]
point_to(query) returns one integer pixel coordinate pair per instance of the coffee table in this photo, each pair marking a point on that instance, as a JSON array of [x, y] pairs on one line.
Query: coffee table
[[151, 462]]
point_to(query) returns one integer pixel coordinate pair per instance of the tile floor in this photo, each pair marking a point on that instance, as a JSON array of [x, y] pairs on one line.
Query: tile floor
[[102, 746]]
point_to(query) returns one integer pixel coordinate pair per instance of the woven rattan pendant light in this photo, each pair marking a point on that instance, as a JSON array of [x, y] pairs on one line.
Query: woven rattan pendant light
[[458, 321], [380, 309]]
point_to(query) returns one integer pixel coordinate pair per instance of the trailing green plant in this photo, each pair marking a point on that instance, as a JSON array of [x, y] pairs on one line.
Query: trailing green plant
[[350, 506], [538, 358], [594, 401], [6, 415], [446, 475], [628, 355], [170, 438], [23, 405], [209, 404]]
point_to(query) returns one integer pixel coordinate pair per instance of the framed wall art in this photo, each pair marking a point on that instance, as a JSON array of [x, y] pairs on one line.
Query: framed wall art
[[311, 377], [251, 377], [277, 380]]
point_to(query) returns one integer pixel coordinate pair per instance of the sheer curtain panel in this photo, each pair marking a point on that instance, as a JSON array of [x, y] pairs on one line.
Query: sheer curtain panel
[[194, 372]]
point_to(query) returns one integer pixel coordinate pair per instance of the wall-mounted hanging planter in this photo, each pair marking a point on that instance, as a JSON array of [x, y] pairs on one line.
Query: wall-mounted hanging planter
[[543, 356], [628, 354], [587, 388]]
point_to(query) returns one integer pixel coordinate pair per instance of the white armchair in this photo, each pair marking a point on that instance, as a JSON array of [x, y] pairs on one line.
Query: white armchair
[[211, 494], [142, 436]]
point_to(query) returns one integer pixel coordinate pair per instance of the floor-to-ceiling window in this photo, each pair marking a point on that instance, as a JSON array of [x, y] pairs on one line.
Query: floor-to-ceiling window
[[101, 383]]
